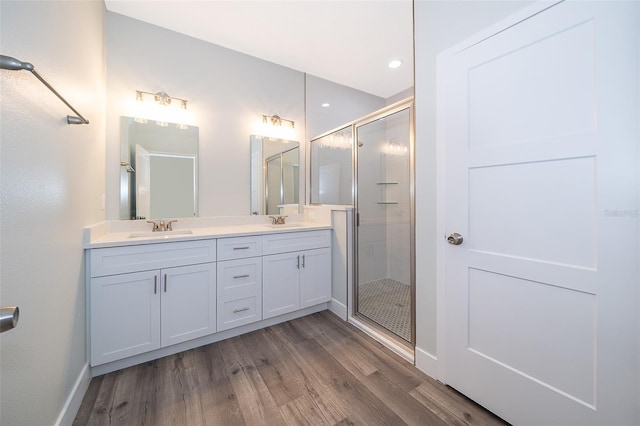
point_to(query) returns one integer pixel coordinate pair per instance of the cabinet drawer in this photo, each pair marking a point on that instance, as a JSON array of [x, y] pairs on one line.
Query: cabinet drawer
[[239, 292], [294, 241], [239, 247], [234, 275], [119, 260], [236, 312]]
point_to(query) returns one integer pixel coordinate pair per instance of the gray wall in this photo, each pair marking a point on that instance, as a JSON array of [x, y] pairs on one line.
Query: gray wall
[[438, 26], [347, 105], [52, 179], [227, 91]]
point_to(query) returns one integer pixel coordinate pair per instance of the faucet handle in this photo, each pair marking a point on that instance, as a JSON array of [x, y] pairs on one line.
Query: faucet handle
[[168, 226], [156, 228], [277, 220]]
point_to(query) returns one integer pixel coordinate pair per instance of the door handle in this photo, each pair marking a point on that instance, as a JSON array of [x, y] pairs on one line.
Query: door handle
[[8, 317], [455, 239]]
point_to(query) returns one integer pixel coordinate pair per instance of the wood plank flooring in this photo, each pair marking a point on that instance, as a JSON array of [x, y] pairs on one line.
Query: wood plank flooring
[[316, 370]]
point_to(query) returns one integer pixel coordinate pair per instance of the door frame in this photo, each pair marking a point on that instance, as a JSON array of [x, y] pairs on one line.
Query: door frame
[[441, 223]]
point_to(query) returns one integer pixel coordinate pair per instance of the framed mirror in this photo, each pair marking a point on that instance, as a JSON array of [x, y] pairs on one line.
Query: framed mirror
[[159, 170], [275, 176]]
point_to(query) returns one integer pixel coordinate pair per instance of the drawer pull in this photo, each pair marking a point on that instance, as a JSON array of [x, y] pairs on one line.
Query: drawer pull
[[155, 284], [241, 276], [242, 248], [246, 308], [165, 283]]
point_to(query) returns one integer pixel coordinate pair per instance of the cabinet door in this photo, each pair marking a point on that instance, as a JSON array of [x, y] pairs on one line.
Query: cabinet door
[[239, 292], [125, 314], [188, 303], [315, 277], [280, 284]]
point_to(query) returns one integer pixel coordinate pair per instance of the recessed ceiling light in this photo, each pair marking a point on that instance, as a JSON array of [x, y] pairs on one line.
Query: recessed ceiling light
[[395, 63], [326, 105]]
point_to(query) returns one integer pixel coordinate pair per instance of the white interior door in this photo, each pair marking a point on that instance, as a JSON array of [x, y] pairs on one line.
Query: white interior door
[[539, 123], [143, 182]]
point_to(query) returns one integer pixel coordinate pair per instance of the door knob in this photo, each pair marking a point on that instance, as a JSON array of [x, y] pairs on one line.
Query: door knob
[[455, 239]]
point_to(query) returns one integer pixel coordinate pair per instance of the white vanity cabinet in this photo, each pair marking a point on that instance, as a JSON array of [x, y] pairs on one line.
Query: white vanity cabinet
[[137, 306], [296, 271], [125, 316], [155, 298], [239, 281], [188, 303]]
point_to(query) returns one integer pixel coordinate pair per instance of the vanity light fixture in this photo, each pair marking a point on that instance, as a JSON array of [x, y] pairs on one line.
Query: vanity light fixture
[[161, 98], [276, 120]]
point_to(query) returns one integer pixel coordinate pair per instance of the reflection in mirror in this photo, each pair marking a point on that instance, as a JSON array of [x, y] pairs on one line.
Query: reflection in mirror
[[275, 176], [161, 181], [332, 168]]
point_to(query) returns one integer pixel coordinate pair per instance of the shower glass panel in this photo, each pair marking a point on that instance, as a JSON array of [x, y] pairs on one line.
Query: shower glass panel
[[332, 168], [384, 207]]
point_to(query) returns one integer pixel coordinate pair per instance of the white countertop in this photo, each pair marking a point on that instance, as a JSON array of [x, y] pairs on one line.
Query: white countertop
[[122, 233]]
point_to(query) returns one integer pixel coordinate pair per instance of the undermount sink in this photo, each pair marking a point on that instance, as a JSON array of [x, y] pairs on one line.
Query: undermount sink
[[284, 225], [160, 234]]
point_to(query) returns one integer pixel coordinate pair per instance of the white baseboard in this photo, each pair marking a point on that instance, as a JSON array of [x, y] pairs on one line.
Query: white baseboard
[[338, 308], [72, 405], [426, 362]]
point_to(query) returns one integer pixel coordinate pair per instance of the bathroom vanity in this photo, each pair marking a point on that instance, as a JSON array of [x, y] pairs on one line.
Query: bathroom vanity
[[153, 294]]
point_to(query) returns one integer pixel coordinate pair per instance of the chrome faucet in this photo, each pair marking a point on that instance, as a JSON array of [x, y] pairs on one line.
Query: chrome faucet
[[277, 220], [162, 226]]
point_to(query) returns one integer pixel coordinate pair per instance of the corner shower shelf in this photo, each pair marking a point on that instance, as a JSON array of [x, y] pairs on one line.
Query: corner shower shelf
[[387, 202]]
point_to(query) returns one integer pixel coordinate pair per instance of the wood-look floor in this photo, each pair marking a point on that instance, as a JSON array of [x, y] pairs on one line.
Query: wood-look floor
[[316, 370]]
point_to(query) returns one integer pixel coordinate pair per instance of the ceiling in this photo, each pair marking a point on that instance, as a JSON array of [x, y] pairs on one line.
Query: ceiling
[[347, 42]]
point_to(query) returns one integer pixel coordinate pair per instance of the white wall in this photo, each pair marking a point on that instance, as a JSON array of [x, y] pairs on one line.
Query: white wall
[[227, 92], [52, 179], [438, 26]]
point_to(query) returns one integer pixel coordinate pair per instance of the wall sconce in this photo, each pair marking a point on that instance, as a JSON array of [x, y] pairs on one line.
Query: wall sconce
[[276, 120]]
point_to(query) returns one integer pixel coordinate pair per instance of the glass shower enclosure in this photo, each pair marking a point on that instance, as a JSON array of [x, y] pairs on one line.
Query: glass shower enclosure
[[384, 286], [369, 164]]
